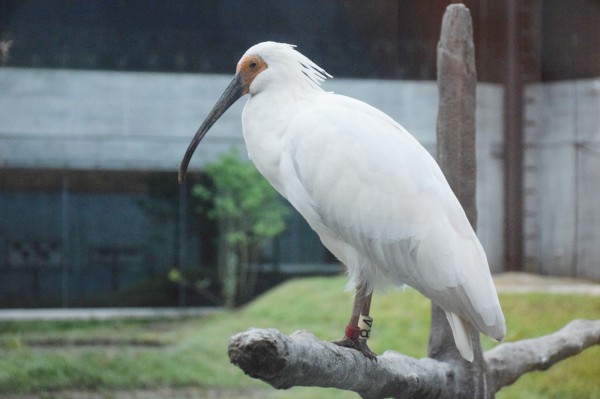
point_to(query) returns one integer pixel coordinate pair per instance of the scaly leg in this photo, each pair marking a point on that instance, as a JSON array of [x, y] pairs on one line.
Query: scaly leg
[[367, 305], [351, 339]]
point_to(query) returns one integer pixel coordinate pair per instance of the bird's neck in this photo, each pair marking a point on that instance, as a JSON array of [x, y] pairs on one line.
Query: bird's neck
[[265, 120]]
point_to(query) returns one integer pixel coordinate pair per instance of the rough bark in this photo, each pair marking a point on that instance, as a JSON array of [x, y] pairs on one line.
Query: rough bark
[[457, 81], [507, 362], [302, 360], [457, 78]]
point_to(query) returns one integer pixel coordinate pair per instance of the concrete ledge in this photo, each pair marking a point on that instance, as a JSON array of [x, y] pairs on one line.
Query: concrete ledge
[[103, 313]]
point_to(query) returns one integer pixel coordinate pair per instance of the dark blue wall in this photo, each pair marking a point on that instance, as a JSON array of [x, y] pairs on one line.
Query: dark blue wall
[[98, 238], [106, 242]]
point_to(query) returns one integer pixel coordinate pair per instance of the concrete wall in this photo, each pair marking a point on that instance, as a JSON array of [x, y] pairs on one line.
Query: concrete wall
[[563, 178], [108, 120], [144, 121]]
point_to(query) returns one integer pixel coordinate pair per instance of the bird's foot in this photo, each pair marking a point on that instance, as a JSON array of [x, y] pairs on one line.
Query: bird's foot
[[357, 344]]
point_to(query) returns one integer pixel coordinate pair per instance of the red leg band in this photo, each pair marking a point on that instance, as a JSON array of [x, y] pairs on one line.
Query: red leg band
[[352, 332]]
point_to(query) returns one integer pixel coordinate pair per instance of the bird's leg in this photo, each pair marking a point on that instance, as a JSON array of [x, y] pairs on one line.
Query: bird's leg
[[352, 337], [365, 322]]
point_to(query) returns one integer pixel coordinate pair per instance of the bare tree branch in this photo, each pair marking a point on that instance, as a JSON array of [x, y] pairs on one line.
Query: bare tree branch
[[302, 360], [507, 362]]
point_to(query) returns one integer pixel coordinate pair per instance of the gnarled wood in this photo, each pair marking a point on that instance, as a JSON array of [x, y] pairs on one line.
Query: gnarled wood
[[457, 81], [507, 362], [302, 360]]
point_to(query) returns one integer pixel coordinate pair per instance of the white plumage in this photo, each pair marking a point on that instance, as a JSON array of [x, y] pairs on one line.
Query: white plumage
[[376, 198]]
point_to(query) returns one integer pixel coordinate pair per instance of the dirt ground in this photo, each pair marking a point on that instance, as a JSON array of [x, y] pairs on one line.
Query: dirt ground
[[513, 282]]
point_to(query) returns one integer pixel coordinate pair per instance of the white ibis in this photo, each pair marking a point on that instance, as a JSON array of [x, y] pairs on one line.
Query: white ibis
[[376, 198]]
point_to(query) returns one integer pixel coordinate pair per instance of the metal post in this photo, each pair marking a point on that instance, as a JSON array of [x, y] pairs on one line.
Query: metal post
[[182, 239], [513, 146], [64, 259]]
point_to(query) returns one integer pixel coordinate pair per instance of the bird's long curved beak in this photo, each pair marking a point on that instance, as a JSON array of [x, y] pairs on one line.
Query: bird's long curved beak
[[236, 89]]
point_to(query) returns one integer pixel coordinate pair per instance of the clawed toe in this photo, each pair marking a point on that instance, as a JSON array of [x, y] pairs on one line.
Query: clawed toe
[[357, 344]]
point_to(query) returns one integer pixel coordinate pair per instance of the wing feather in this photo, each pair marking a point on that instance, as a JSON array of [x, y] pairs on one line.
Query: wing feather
[[381, 204]]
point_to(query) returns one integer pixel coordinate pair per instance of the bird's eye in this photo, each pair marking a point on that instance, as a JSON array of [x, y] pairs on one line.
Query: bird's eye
[[252, 64]]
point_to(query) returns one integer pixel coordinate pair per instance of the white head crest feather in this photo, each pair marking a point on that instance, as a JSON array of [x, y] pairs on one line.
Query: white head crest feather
[[294, 64]]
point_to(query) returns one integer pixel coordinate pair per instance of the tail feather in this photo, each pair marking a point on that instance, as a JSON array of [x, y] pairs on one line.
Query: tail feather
[[461, 330]]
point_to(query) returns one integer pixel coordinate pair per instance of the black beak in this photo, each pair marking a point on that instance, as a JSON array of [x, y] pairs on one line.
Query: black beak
[[235, 90]]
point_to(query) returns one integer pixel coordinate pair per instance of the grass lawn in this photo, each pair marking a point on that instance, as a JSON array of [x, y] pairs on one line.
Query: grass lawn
[[188, 358]]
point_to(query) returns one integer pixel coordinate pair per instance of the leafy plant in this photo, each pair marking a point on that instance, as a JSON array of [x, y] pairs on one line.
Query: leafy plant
[[249, 213]]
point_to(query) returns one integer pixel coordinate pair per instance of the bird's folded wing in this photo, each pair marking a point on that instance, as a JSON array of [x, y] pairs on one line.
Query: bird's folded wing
[[357, 175]]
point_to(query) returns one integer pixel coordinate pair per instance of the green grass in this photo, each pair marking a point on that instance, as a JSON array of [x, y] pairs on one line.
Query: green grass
[[193, 352]]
